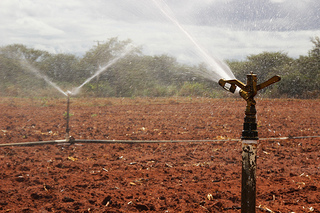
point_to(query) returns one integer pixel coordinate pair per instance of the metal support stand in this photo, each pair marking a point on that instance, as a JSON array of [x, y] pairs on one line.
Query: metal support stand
[[249, 161], [67, 119], [249, 137]]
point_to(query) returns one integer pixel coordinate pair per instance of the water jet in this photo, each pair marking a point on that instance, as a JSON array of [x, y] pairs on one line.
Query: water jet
[[218, 68], [37, 73], [76, 90]]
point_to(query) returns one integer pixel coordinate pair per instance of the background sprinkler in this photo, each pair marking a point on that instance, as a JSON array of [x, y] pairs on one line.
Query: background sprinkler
[[68, 138], [249, 136]]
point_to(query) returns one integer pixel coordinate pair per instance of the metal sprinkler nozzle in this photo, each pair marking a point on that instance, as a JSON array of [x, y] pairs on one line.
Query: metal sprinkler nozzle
[[249, 136], [249, 90]]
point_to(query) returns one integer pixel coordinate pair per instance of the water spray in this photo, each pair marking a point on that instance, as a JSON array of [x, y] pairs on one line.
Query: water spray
[[218, 68], [36, 72], [76, 90], [249, 136]]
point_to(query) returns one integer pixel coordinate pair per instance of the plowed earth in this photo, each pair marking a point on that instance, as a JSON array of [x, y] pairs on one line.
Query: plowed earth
[[184, 176]]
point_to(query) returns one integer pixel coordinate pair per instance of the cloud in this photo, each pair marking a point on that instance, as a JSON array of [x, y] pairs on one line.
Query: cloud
[[262, 15], [36, 27], [228, 29]]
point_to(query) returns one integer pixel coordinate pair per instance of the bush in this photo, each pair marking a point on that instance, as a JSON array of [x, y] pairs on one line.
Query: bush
[[195, 89]]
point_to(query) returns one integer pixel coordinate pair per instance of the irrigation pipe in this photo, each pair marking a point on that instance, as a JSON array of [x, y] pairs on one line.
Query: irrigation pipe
[[68, 142]]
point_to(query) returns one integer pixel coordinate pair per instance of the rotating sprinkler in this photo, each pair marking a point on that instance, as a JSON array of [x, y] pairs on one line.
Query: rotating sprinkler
[[249, 136]]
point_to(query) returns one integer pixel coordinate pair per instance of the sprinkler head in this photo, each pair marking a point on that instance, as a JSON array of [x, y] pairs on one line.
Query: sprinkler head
[[69, 93], [249, 90]]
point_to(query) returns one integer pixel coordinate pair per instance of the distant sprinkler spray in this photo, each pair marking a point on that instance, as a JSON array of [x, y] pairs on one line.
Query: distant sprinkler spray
[[249, 136], [76, 90], [36, 72]]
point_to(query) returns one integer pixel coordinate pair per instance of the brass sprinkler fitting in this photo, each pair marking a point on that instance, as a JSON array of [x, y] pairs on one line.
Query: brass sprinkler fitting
[[249, 136], [248, 91]]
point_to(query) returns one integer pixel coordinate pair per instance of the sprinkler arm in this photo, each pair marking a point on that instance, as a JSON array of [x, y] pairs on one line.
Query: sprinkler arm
[[233, 84], [247, 91], [272, 80]]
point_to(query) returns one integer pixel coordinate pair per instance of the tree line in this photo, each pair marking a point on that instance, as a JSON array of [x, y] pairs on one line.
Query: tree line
[[136, 74]]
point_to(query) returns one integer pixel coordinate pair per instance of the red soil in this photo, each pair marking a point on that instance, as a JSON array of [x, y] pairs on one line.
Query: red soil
[[158, 177]]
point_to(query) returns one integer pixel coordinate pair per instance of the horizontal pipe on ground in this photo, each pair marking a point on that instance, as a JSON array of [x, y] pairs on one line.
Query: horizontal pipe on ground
[[68, 142], [34, 143], [110, 141]]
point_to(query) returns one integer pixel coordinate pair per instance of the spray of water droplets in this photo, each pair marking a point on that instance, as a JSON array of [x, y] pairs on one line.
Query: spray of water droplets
[[76, 90], [37, 73], [218, 69]]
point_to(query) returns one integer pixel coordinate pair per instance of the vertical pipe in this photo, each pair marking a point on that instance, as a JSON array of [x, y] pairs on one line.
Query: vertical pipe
[[248, 190], [67, 119], [249, 158]]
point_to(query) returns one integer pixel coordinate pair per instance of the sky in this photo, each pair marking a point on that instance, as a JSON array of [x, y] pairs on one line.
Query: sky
[[226, 29]]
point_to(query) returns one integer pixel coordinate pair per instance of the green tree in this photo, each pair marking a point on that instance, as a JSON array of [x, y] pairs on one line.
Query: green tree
[[61, 67], [99, 56], [265, 65], [292, 82], [19, 51], [315, 51], [15, 78], [302, 78], [309, 70]]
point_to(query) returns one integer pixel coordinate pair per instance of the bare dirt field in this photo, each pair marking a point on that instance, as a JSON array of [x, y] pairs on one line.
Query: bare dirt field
[[196, 176]]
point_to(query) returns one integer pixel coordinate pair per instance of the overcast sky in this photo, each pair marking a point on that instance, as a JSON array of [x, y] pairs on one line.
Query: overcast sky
[[227, 29]]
